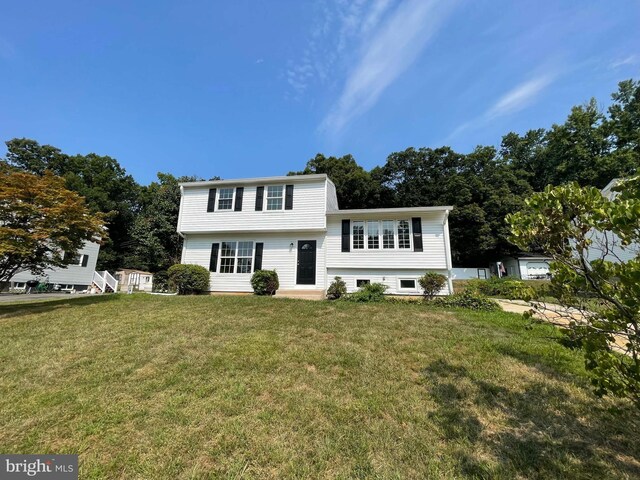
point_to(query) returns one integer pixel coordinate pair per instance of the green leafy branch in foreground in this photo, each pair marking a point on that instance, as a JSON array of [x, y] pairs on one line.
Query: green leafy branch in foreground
[[595, 244]]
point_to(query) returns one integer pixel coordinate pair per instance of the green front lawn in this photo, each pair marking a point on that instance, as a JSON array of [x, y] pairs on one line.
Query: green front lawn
[[244, 387]]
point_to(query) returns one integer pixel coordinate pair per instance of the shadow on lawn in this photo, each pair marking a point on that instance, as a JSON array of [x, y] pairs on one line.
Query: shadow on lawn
[[44, 305], [548, 433]]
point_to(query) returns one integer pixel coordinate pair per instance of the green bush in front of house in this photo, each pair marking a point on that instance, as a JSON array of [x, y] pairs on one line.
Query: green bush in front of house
[[337, 289], [432, 283], [188, 279], [504, 287], [467, 299], [371, 292], [265, 282]]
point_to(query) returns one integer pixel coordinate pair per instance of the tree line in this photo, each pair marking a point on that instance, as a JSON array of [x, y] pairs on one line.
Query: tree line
[[591, 147]]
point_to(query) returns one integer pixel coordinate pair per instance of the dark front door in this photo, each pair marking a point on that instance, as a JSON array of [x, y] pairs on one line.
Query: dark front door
[[306, 262]]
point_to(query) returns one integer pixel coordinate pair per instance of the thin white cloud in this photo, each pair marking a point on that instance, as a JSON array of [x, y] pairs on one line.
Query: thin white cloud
[[511, 102], [621, 62], [389, 51], [519, 97]]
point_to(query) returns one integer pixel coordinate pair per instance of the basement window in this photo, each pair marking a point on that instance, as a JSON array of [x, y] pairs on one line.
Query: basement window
[[362, 282], [408, 284]]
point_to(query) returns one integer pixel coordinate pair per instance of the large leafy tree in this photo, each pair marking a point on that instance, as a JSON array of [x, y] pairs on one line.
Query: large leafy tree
[[355, 187], [42, 223], [154, 243], [100, 179], [480, 187], [582, 230], [590, 147]]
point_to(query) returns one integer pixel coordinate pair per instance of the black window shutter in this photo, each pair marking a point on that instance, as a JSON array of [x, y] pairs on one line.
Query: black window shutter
[[288, 198], [239, 193], [211, 204], [85, 260], [259, 196], [257, 264], [346, 235], [213, 263], [417, 233]]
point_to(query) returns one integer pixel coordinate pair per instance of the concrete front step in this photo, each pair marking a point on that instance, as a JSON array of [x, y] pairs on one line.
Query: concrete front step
[[302, 294]]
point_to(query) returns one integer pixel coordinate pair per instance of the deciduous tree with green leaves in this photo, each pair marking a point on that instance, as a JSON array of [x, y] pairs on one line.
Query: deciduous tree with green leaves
[[42, 223], [584, 232]]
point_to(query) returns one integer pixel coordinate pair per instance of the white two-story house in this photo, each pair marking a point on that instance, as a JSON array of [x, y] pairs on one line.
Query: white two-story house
[[293, 225]]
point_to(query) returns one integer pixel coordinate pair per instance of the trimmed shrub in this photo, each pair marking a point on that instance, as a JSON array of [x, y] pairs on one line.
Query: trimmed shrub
[[160, 281], [265, 282], [371, 292], [337, 289], [431, 284], [188, 279], [505, 287], [467, 299]]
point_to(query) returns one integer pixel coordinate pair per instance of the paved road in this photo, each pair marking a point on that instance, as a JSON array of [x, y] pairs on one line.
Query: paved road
[[35, 297]]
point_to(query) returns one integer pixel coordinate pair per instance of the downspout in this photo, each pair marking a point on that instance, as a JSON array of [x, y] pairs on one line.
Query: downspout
[[447, 249]]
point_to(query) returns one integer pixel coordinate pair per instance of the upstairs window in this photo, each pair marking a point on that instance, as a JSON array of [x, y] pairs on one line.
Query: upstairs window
[[373, 235], [275, 196], [404, 235], [388, 234], [225, 199], [358, 235]]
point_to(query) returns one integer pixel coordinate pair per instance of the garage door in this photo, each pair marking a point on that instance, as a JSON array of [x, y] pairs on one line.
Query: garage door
[[537, 269]]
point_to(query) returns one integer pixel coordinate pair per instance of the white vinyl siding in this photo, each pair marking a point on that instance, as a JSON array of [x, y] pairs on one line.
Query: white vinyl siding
[[74, 274], [433, 255], [390, 277], [277, 254], [308, 211]]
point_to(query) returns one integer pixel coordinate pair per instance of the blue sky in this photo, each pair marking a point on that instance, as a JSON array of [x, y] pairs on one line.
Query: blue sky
[[249, 88]]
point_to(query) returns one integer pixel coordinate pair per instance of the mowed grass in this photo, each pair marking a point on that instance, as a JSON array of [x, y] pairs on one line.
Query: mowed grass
[[155, 387]]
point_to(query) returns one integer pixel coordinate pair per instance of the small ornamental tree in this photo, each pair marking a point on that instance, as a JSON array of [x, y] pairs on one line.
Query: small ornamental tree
[[585, 234], [337, 289], [42, 223], [188, 279], [432, 283], [265, 282]]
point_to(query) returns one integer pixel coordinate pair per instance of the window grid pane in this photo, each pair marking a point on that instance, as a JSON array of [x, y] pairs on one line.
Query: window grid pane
[[225, 199], [244, 265], [387, 234], [228, 249], [274, 203], [404, 239], [358, 235], [226, 265], [245, 249], [373, 231]]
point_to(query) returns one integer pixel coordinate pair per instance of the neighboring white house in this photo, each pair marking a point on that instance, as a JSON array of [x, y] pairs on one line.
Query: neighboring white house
[[527, 266], [293, 225], [608, 246], [79, 276]]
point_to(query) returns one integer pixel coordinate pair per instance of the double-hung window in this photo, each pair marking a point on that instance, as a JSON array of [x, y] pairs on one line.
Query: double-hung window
[[358, 235], [380, 234], [388, 234], [227, 257], [236, 257], [245, 257], [404, 235], [225, 199], [373, 235], [275, 197]]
